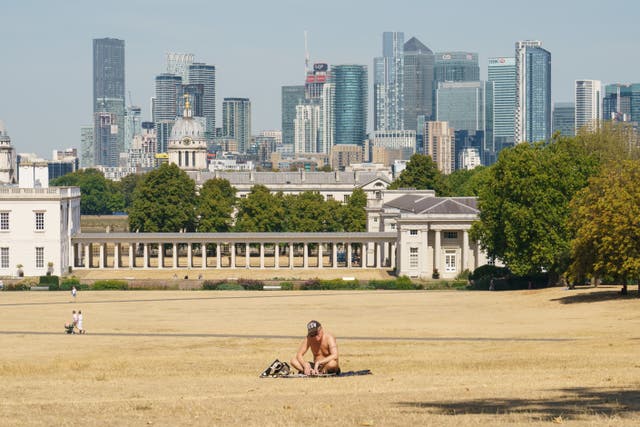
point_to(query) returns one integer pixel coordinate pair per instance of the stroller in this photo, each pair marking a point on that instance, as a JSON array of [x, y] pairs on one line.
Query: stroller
[[69, 328]]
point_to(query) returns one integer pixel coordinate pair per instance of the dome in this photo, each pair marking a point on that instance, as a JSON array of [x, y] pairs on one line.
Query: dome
[[187, 126]]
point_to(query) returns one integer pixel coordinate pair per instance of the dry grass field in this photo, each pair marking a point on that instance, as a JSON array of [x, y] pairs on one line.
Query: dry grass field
[[177, 358]]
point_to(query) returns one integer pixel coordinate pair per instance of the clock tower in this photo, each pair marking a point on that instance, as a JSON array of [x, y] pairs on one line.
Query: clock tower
[[187, 145]]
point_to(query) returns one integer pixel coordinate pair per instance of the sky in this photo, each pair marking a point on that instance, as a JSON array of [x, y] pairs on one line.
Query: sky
[[258, 46]]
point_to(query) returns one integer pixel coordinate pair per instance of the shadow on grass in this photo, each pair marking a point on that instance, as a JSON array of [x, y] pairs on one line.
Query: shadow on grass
[[575, 403], [596, 296]]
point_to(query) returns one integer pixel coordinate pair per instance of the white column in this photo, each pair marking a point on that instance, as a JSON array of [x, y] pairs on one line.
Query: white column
[[232, 262], [102, 255], [364, 254], [189, 254], [261, 255], [465, 251], [290, 254], [160, 255], [349, 249], [203, 253], [334, 255], [72, 255], [219, 256], [131, 258], [276, 254], [145, 255], [305, 255], [436, 251], [247, 256], [320, 255], [116, 255], [175, 255]]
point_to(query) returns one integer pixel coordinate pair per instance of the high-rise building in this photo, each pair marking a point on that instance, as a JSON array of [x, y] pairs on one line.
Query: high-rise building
[[86, 147], [462, 106], [205, 75], [439, 144], [349, 104], [564, 118], [315, 81], [588, 104], [621, 102], [456, 67], [312, 112], [533, 92], [291, 97], [502, 77], [388, 86], [132, 125], [105, 144], [418, 83], [108, 92], [307, 127], [236, 121], [165, 106], [178, 64]]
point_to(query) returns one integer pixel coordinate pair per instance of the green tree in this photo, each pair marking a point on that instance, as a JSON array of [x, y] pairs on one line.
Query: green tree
[[215, 206], [353, 216], [606, 219], [524, 204], [127, 187], [164, 201], [466, 182], [421, 173], [306, 212], [260, 211], [99, 196]]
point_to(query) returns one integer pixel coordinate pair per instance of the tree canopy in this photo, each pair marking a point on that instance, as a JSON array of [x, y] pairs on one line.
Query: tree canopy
[[99, 196], [260, 211], [215, 206], [164, 201], [421, 173]]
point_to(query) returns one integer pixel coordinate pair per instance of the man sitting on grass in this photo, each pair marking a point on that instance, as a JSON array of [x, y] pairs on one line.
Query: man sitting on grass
[[324, 349]]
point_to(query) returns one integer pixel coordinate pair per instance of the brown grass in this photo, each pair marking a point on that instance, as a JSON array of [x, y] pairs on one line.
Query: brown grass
[[168, 358]]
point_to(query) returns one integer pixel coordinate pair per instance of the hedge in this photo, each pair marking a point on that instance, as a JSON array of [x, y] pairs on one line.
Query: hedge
[[100, 285]]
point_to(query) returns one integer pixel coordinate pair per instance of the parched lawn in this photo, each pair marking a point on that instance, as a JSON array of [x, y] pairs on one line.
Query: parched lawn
[[439, 358]]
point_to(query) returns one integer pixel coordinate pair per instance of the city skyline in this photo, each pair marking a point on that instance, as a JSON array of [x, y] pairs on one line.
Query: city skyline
[[257, 61]]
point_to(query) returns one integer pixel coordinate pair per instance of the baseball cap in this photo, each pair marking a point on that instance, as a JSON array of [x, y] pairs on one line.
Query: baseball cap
[[312, 328]]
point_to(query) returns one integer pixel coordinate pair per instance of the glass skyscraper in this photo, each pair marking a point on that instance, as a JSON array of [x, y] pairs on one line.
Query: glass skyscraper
[[350, 103], [168, 89], [388, 86], [588, 103], [564, 118], [291, 97], [502, 76], [418, 83], [456, 67], [621, 102], [236, 121], [205, 75], [108, 97], [533, 92]]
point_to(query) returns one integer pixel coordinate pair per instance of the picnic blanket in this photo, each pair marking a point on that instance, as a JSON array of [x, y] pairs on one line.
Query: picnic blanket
[[278, 369]]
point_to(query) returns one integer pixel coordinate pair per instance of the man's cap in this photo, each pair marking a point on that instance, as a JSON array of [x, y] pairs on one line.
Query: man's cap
[[312, 328]]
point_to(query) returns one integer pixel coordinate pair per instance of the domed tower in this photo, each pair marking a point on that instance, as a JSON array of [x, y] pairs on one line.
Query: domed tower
[[8, 166], [187, 146]]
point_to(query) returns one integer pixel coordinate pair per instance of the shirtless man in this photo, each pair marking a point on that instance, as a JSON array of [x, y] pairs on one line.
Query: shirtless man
[[324, 349]]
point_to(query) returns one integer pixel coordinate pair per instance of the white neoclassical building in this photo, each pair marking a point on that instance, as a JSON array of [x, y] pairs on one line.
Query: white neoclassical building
[[187, 145]]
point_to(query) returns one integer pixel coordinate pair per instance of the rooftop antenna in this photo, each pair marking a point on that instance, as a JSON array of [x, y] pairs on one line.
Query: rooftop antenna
[[306, 54]]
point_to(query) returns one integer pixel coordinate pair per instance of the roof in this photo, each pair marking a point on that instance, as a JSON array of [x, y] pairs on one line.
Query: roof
[[238, 178], [419, 204]]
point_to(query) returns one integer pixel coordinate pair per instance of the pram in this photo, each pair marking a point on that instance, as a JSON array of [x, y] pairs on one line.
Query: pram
[[69, 328]]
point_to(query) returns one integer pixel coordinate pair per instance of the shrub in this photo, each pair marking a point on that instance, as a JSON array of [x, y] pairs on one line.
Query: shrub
[[211, 285], [23, 285], [464, 275], [286, 286], [251, 285], [230, 287], [67, 284], [110, 285], [52, 281], [488, 270], [403, 282]]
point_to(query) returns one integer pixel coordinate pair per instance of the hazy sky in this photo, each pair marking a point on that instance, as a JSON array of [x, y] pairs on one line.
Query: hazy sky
[[258, 46]]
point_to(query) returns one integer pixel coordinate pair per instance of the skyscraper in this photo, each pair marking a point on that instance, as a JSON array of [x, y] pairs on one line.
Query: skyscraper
[[418, 83], [178, 64], [564, 118], [388, 86], [456, 67], [533, 92], [439, 144], [205, 74], [291, 97], [622, 102], [108, 95], [236, 121], [588, 104], [502, 76], [168, 89], [349, 104], [132, 125]]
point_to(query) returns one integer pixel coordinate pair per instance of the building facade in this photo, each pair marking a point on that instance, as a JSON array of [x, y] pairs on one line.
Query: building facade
[[187, 145], [456, 67], [236, 121], [533, 92], [501, 76], [8, 160], [350, 100], [439, 143], [291, 96], [388, 83], [564, 114], [588, 111], [419, 62], [205, 75], [621, 102]]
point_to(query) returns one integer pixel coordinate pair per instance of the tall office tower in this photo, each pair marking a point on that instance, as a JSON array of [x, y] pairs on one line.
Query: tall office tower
[[86, 147], [178, 64], [418, 83], [564, 115], [502, 77], [327, 119], [204, 74], [195, 94], [588, 104], [291, 97], [533, 92], [105, 152], [462, 106], [8, 165], [388, 86], [144, 148], [132, 125], [456, 67], [236, 121], [439, 144], [315, 81], [168, 90], [621, 102], [349, 104], [307, 127], [108, 88]]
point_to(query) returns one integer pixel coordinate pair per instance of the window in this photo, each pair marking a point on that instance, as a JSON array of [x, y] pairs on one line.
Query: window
[[450, 261], [451, 235], [4, 220], [39, 220], [39, 257], [413, 257], [4, 257], [346, 198], [413, 232], [329, 197]]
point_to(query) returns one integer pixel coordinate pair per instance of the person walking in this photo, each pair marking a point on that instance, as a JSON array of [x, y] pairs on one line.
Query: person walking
[[74, 292], [80, 321]]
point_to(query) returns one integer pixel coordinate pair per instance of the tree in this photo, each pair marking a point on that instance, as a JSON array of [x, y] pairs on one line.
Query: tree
[[164, 201], [465, 182], [99, 196], [260, 211], [215, 206], [421, 173], [307, 212], [127, 187], [606, 219], [524, 204], [353, 216]]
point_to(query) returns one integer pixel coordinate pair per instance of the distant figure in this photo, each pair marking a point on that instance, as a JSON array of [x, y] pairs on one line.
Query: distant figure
[[74, 292], [324, 349], [80, 321], [74, 319], [623, 291], [492, 285]]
